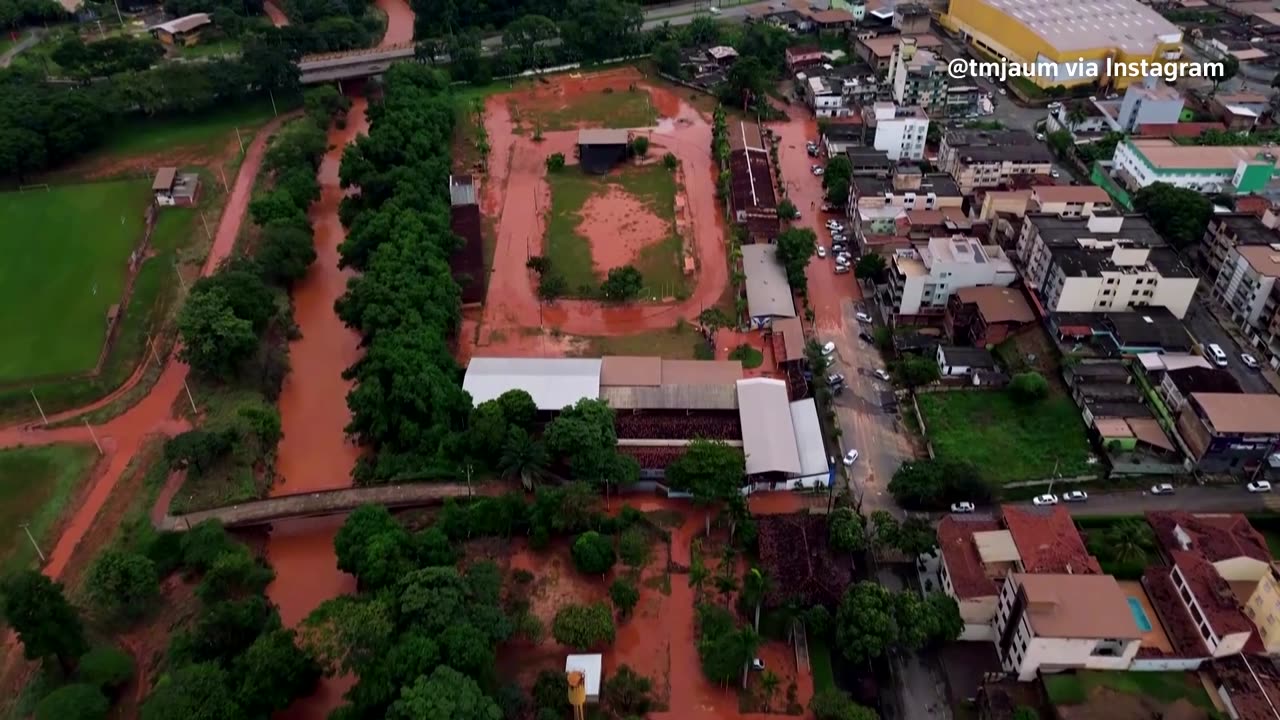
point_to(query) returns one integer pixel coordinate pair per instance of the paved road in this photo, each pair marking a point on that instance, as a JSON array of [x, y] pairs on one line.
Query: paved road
[[1191, 499], [31, 38], [1207, 329]]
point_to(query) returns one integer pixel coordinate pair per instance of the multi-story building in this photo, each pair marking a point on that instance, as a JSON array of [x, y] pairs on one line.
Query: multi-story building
[[1150, 102], [910, 18], [1102, 263], [1227, 231], [877, 204], [918, 77], [899, 131], [990, 158], [1069, 200], [986, 316], [1062, 622], [825, 98], [1140, 162], [923, 278], [1246, 287], [878, 50], [1230, 432], [1070, 41]]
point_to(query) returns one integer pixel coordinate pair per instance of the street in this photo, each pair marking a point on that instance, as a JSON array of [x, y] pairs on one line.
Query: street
[[1214, 499], [1206, 329]]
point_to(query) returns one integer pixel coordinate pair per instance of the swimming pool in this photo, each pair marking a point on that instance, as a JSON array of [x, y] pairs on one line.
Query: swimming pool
[[1139, 615]]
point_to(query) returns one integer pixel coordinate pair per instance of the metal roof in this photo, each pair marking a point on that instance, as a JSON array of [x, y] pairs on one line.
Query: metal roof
[[768, 294], [164, 178], [602, 136], [808, 434], [768, 435], [671, 397], [554, 383], [186, 23]]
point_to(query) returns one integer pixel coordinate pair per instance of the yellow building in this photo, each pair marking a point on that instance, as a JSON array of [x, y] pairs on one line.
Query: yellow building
[[1263, 608], [1065, 39]]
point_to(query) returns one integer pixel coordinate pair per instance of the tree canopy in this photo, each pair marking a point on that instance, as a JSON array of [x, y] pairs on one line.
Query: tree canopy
[[795, 247], [1180, 215], [38, 611], [936, 484]]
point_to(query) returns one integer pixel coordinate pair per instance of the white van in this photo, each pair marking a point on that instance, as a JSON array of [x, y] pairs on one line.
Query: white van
[[1214, 354]]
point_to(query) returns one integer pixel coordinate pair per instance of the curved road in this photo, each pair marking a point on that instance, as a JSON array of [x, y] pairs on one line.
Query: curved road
[[277, 16]]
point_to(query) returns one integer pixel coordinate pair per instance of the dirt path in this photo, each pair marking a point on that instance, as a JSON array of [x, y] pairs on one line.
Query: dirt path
[[517, 193], [277, 16], [399, 22]]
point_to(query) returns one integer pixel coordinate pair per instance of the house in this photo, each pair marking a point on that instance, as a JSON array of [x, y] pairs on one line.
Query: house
[[877, 51], [171, 188], [1150, 102], [768, 294], [922, 279], [751, 195], [182, 31], [1048, 541], [1069, 200], [869, 162], [986, 316], [599, 150], [910, 18], [843, 134], [899, 131], [1152, 330], [963, 101], [1140, 162], [956, 361], [799, 58], [464, 220], [1102, 263], [589, 672], [991, 158], [1230, 432], [994, 203], [825, 98], [1064, 621], [1178, 384], [977, 553], [1227, 231]]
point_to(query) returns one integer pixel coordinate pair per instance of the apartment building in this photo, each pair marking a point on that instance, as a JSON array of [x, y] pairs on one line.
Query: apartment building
[[1102, 263], [877, 204], [1140, 162], [1230, 432], [1149, 103], [1055, 622], [1246, 287], [923, 278], [898, 131], [918, 77], [990, 158], [1228, 231], [1069, 200], [825, 98]]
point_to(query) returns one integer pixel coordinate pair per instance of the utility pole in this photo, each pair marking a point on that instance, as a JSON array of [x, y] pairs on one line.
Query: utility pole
[[118, 15], [272, 95], [468, 481], [27, 529], [94, 435], [208, 235], [223, 173], [240, 140], [42, 415], [190, 399], [181, 280]]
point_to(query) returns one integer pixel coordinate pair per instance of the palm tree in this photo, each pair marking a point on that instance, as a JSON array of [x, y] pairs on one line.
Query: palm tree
[[769, 683], [522, 456], [1129, 541], [754, 587], [1077, 115], [697, 568]]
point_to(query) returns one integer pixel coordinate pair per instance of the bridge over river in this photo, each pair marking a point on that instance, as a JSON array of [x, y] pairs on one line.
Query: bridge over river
[[329, 67]]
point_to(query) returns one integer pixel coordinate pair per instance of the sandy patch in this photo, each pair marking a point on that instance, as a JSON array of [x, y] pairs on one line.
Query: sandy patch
[[619, 227]]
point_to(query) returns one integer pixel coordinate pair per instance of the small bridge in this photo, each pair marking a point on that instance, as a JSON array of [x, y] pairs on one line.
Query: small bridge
[[328, 502], [328, 67]]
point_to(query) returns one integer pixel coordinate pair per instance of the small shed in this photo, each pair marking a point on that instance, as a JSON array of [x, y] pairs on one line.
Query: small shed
[[181, 31], [599, 150], [591, 667], [173, 188]]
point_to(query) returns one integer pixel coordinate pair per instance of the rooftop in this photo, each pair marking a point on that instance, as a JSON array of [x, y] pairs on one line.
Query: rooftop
[[971, 357], [1048, 541], [1077, 606], [1152, 326], [461, 190], [768, 294], [997, 146], [882, 46], [768, 435], [1247, 229], [603, 136], [1264, 259], [745, 135], [630, 370], [1070, 194], [751, 182], [186, 23], [554, 383], [960, 551], [1216, 536], [590, 667], [998, 304], [1090, 24], [1240, 413], [1067, 231], [164, 178], [1204, 379], [1212, 593], [1166, 155]]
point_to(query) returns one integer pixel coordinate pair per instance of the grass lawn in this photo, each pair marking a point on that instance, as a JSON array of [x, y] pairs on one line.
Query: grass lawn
[[208, 131], [748, 356], [661, 264], [1005, 440], [824, 677], [617, 109], [225, 46], [66, 259], [1166, 687], [36, 484], [678, 343]]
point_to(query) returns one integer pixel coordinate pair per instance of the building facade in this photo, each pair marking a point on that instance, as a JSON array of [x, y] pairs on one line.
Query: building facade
[[918, 77], [1230, 433], [990, 158], [923, 278], [1210, 169], [899, 131]]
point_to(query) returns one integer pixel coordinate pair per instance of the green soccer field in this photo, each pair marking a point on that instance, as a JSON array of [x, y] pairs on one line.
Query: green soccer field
[[64, 257]]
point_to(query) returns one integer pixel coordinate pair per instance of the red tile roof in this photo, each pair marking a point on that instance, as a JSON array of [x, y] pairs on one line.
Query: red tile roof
[[1188, 129], [964, 565], [1217, 537], [1212, 594], [1048, 541], [1253, 685], [1178, 625]]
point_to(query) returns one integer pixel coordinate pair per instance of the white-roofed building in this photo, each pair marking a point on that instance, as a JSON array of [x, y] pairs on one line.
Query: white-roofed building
[[815, 470], [768, 435], [768, 293], [591, 668], [554, 383]]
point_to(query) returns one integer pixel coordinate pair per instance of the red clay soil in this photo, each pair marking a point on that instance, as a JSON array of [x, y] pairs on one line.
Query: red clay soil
[[515, 191], [399, 22], [277, 16], [620, 227]]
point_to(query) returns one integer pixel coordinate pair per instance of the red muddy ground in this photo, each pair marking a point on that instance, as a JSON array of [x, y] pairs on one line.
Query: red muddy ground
[[516, 193], [399, 22], [277, 16], [620, 228]]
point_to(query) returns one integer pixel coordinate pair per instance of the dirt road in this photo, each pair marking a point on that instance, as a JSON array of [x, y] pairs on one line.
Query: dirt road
[[399, 22], [275, 14]]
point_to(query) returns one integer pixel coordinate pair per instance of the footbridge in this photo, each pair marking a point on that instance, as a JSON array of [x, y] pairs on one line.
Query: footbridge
[[328, 502], [328, 67]]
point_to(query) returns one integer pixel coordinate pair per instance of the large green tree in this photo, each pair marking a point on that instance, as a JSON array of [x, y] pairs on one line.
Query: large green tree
[[583, 627], [836, 178], [936, 484], [795, 247], [446, 694], [711, 470], [48, 626], [122, 584], [214, 341], [73, 702], [194, 692], [272, 672], [1180, 215], [865, 624]]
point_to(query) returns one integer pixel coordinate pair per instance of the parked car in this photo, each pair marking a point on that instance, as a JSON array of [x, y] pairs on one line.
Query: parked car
[[962, 507], [882, 374], [817, 169], [866, 336], [1214, 353], [1054, 173], [851, 457], [828, 348], [812, 150], [864, 317], [1040, 137], [822, 252], [1162, 489], [1046, 499], [833, 224], [1260, 486], [835, 379], [843, 269], [1075, 496], [757, 664], [1250, 361]]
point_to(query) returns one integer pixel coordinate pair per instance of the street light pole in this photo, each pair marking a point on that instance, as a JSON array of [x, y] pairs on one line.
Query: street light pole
[[27, 529]]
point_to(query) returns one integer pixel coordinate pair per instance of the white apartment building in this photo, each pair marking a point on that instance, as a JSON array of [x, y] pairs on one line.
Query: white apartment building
[[899, 131], [923, 278], [1069, 200], [990, 158], [1210, 169], [1102, 263], [1051, 622], [1245, 281], [826, 99]]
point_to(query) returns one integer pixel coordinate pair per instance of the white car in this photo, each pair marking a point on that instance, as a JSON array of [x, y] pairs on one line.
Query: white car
[[1162, 489], [843, 269], [1261, 486], [1075, 496], [817, 170], [1055, 173], [757, 664], [822, 252], [1250, 361], [850, 458], [1001, 91], [1046, 499], [713, 10], [962, 507], [863, 317], [833, 225], [880, 373], [828, 348]]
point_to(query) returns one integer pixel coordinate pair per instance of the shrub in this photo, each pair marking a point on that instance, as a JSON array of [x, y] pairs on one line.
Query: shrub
[[593, 553], [626, 693], [122, 584], [670, 161], [625, 595], [640, 145], [105, 667], [73, 702], [583, 627], [555, 163], [633, 547], [1029, 387]]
